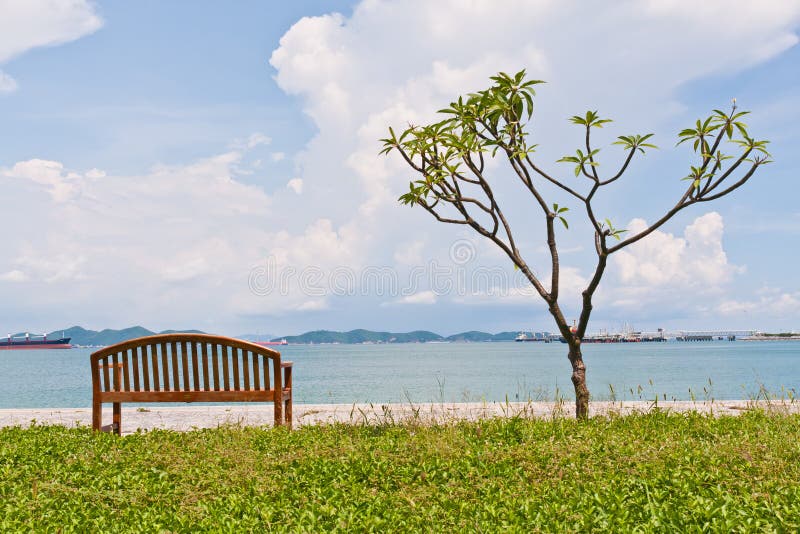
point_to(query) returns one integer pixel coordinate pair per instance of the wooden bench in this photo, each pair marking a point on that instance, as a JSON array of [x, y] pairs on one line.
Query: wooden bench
[[188, 368]]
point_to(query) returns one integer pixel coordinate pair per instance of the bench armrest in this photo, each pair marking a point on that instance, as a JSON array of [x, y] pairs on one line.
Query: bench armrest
[[287, 374]]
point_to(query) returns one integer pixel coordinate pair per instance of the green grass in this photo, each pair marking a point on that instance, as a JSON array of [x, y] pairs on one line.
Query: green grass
[[647, 473]]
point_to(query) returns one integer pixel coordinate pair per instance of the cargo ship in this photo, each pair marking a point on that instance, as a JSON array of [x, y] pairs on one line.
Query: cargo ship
[[523, 337], [29, 341]]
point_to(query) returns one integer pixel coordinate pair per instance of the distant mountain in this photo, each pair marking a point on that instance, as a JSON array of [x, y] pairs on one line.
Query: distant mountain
[[183, 332], [81, 336], [368, 336], [254, 337], [505, 336], [362, 336], [474, 336]]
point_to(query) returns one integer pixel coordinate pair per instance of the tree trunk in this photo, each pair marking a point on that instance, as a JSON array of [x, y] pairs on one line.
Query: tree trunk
[[579, 381]]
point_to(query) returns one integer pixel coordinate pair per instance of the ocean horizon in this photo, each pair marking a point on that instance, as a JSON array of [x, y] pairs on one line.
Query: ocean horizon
[[464, 372]]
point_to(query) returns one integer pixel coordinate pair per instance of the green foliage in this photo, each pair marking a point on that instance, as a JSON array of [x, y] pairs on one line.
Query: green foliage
[[609, 230], [483, 122], [634, 142], [703, 137], [590, 120], [557, 211], [647, 473], [581, 160]]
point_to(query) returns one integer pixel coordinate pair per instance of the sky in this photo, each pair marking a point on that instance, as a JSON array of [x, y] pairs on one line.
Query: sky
[[215, 165]]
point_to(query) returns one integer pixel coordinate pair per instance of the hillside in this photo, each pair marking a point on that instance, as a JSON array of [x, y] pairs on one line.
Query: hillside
[[82, 336], [362, 336], [476, 336], [369, 336]]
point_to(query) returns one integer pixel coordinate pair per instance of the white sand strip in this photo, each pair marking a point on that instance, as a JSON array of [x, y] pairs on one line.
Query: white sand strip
[[188, 417]]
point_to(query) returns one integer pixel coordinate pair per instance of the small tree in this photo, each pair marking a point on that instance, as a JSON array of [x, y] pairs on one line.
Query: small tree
[[449, 156]]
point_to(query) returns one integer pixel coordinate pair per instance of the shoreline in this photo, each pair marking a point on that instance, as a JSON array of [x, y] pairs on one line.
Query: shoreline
[[186, 418]]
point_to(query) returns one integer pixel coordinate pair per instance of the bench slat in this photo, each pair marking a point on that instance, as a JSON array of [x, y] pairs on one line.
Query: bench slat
[[246, 368], [176, 385], [256, 379], [115, 372], [204, 348], [215, 364], [190, 396], [106, 379], [135, 367], [154, 356], [145, 370], [185, 365], [235, 354], [164, 367], [225, 373], [195, 370], [126, 383]]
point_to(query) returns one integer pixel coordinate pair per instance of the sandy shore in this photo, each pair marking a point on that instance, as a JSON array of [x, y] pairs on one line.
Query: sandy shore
[[190, 417]]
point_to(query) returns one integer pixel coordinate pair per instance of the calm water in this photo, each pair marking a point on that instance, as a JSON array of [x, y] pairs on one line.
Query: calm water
[[460, 372]]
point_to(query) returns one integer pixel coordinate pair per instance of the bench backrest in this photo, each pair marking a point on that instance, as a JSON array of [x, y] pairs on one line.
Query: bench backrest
[[169, 366]]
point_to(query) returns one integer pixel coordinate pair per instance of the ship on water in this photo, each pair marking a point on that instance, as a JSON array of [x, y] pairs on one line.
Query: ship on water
[[270, 343], [35, 341], [544, 337]]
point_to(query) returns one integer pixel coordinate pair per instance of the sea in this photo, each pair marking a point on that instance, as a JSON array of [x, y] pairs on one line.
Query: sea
[[465, 372]]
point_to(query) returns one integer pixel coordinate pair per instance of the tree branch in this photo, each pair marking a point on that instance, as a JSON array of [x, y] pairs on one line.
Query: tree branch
[[682, 203], [622, 170], [552, 180], [594, 176], [738, 184]]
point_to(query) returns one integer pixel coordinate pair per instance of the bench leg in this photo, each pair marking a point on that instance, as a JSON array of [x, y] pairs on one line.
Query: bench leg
[[278, 411], [287, 411], [116, 422], [97, 414]]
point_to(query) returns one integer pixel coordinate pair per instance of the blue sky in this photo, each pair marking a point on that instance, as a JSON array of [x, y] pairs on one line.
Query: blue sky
[[214, 165]]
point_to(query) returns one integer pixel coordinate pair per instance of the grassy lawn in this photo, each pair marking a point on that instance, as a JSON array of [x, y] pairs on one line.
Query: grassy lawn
[[654, 472]]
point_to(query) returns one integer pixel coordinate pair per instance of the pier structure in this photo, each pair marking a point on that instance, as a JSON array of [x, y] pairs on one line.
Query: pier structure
[[710, 335]]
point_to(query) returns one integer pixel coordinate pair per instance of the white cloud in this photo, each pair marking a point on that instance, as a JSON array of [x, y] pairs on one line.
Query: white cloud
[[14, 276], [313, 305], [61, 185], [409, 253], [768, 303], [177, 243], [27, 24], [501, 287], [7, 83], [52, 266], [257, 139], [296, 185], [670, 268], [423, 297], [277, 156]]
